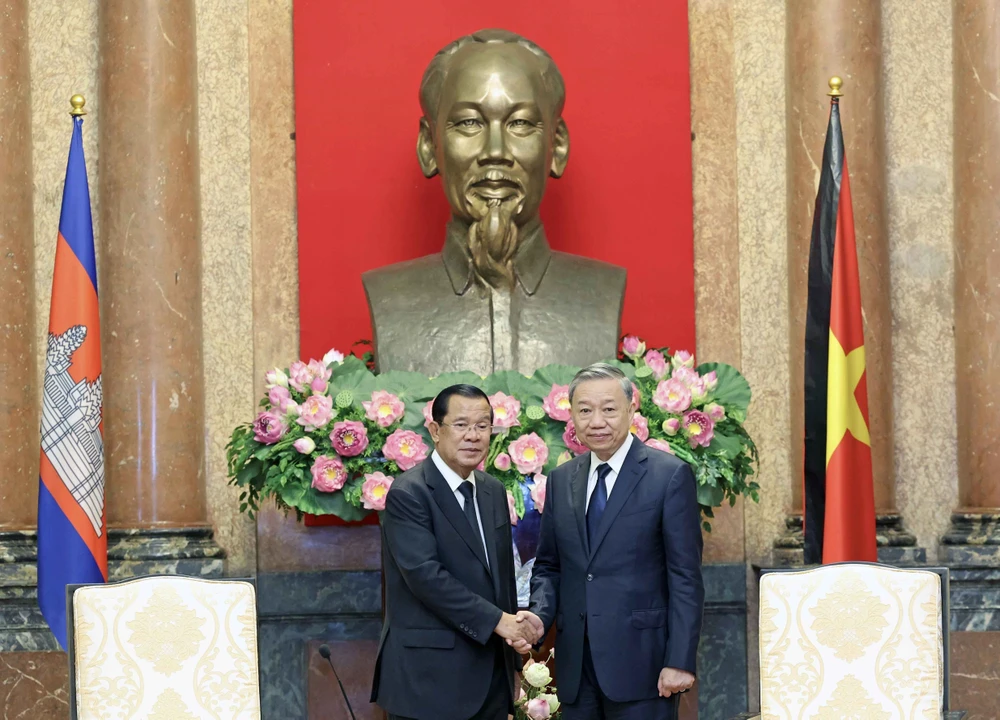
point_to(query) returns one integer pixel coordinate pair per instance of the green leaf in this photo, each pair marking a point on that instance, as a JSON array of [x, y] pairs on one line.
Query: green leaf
[[726, 445], [733, 391], [710, 495]]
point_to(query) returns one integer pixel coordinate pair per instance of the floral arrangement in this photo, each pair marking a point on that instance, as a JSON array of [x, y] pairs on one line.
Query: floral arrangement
[[537, 699], [331, 435]]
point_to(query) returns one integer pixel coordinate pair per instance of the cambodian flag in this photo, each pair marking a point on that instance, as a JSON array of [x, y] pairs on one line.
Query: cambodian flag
[[72, 540]]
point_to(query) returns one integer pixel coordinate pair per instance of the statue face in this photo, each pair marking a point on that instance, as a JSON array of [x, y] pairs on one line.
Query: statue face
[[494, 135]]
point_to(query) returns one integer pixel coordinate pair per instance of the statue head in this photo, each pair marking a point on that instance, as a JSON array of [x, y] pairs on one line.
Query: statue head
[[492, 128]]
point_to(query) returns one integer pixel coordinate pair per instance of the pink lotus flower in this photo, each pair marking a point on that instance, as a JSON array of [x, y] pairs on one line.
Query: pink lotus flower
[[280, 399], [316, 412], [349, 438], [304, 445], [538, 491], [512, 508], [406, 447], [319, 386], [275, 377], [698, 391], [682, 358], [685, 375], [698, 428], [636, 397], [572, 442], [505, 410], [556, 403], [657, 363], [428, 416], [658, 444], [333, 357], [640, 427], [564, 457], [538, 709], [302, 375], [269, 427], [374, 489], [529, 453], [633, 346], [672, 396], [502, 462], [715, 411], [384, 408], [328, 474], [711, 380], [671, 426]]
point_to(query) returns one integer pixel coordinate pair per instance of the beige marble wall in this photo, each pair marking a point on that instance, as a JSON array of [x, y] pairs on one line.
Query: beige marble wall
[[917, 60], [716, 223], [63, 46], [759, 41], [227, 260]]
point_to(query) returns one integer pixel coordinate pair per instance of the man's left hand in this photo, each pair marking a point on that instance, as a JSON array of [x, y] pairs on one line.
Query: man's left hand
[[674, 681]]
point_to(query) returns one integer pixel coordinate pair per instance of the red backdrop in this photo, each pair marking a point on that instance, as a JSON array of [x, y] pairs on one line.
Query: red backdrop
[[363, 203]]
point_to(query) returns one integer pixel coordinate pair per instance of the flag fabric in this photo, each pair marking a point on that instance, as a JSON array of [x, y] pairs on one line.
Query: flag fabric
[[72, 538], [839, 513]]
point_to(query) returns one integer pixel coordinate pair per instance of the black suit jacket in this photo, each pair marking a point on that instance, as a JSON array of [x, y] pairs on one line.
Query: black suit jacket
[[637, 592], [442, 604]]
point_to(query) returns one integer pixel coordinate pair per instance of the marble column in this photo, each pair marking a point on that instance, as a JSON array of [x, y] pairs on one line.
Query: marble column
[[151, 285], [974, 538], [18, 380], [826, 38], [19, 437]]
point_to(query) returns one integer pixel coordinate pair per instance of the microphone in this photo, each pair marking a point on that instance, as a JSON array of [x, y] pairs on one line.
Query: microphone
[[324, 650]]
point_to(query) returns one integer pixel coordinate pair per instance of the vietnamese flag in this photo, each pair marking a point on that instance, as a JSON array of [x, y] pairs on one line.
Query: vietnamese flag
[[839, 514]]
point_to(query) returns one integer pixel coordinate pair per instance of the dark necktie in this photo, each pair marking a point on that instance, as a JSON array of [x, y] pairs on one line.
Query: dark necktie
[[470, 510], [598, 501]]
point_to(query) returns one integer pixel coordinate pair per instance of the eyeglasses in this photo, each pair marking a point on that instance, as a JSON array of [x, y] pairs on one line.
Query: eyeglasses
[[461, 428]]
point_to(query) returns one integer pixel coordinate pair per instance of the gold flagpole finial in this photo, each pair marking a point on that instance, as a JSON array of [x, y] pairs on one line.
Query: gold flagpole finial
[[835, 84], [77, 101]]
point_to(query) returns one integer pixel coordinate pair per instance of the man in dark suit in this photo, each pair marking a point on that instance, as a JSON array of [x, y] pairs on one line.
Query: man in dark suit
[[618, 567], [449, 577]]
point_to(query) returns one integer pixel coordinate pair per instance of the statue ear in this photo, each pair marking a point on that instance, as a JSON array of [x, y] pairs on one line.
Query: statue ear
[[426, 153], [560, 149]]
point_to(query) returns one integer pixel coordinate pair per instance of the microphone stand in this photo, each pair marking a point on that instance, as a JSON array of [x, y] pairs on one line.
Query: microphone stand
[[324, 650]]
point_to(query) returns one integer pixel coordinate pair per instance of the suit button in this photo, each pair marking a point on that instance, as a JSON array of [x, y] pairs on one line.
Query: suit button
[[590, 578], [475, 634]]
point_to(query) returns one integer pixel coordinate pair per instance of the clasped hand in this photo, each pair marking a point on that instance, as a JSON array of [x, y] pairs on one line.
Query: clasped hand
[[521, 631]]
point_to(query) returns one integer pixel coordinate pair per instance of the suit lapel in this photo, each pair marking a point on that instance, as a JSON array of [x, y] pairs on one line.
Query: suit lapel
[[446, 500], [578, 489], [633, 469], [487, 505]]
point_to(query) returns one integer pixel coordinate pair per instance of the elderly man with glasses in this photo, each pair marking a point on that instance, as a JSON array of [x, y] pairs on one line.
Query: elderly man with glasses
[[450, 593]]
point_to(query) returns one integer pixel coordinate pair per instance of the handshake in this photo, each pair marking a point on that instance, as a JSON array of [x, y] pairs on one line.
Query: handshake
[[521, 631]]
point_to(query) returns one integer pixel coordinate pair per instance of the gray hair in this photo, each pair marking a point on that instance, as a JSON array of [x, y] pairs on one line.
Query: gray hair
[[437, 70], [601, 371]]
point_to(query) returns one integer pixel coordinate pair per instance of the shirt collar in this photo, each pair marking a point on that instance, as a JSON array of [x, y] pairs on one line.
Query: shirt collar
[[616, 461], [530, 262], [453, 479]]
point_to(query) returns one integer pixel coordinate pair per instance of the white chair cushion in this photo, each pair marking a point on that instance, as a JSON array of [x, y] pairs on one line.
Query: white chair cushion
[[166, 648], [845, 642]]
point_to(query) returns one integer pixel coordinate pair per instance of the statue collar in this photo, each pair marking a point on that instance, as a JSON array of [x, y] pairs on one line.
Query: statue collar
[[530, 262]]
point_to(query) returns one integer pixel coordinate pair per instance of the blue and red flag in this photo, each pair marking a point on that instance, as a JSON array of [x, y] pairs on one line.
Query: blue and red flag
[[72, 538]]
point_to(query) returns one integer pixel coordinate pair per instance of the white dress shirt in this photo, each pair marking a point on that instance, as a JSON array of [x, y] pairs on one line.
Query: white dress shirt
[[455, 481], [615, 461]]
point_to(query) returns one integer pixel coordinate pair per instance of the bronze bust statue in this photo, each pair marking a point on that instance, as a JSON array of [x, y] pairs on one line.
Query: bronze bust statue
[[496, 297]]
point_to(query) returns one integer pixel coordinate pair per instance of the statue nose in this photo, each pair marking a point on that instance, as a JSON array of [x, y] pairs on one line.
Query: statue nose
[[496, 149]]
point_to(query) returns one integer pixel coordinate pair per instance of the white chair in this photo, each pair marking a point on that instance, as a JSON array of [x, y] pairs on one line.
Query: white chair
[[164, 647], [852, 640]]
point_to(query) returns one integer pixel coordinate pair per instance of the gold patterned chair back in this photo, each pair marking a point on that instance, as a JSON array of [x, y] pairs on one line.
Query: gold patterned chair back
[[166, 648], [851, 641]]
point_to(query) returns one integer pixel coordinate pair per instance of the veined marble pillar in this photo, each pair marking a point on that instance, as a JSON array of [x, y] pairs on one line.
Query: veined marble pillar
[[151, 287], [827, 38], [974, 538], [19, 439]]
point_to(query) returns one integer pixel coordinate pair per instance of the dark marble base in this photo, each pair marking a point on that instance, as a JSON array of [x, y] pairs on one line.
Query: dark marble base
[[722, 654], [131, 553], [298, 611], [896, 545], [971, 550]]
